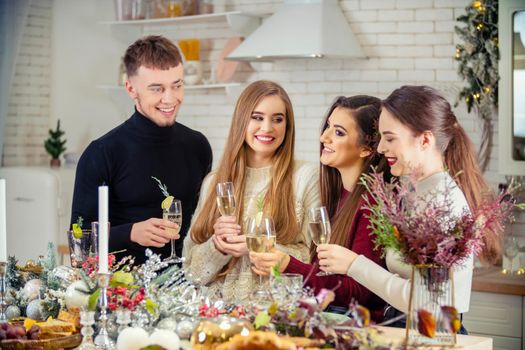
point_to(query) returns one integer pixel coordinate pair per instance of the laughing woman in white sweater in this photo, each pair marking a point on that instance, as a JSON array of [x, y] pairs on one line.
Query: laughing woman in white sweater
[[420, 132], [259, 160]]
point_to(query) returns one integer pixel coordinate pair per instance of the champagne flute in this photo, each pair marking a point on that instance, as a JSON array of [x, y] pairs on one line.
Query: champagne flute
[[511, 250], [226, 198], [320, 229], [174, 214], [260, 238]]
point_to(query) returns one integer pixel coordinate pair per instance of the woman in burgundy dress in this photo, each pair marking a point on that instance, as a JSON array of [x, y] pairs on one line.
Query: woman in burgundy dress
[[347, 150]]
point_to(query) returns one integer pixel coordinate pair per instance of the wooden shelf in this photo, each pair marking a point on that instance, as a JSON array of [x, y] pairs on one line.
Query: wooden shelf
[[241, 23]]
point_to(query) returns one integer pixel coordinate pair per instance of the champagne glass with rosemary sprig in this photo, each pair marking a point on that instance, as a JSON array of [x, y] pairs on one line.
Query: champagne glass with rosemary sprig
[[171, 211]]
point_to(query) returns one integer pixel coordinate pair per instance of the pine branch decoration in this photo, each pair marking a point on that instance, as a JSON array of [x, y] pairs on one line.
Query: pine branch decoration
[[14, 277], [478, 58], [54, 144]]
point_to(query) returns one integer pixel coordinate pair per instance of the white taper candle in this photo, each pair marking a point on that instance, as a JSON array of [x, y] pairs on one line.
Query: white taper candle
[[103, 229], [3, 222]]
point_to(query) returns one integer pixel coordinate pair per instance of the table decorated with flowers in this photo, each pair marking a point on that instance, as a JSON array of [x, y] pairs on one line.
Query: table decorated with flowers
[[156, 305]]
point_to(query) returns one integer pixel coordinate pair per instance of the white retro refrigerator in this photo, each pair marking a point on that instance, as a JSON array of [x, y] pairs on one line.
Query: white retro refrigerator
[[38, 203]]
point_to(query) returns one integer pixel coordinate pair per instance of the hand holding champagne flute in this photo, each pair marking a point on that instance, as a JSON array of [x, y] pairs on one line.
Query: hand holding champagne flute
[[226, 198], [320, 229]]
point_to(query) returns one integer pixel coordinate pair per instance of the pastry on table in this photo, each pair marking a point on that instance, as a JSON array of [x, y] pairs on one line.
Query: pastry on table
[[268, 341]]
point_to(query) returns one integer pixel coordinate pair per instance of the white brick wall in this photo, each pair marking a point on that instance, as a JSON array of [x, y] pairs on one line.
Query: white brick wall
[[29, 102], [406, 41]]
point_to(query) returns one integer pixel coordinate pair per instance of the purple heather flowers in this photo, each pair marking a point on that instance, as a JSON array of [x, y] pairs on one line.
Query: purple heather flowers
[[423, 230]]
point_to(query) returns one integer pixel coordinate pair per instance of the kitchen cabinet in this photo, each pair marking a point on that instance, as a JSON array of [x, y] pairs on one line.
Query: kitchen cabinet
[[498, 316], [497, 309]]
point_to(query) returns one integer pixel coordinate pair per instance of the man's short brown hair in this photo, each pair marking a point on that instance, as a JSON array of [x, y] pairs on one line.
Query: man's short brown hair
[[154, 52]]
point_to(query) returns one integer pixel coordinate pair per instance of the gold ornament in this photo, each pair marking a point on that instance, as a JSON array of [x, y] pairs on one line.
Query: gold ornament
[[211, 332]]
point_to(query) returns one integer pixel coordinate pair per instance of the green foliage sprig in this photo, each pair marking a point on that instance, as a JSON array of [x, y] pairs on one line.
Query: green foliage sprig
[[478, 58]]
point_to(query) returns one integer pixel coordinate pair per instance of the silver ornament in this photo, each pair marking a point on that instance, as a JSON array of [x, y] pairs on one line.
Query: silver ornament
[[33, 310], [185, 327], [32, 289], [168, 323], [12, 311], [66, 275]]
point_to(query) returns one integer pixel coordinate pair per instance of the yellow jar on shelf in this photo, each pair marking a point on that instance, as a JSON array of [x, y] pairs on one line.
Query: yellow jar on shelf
[[174, 9]]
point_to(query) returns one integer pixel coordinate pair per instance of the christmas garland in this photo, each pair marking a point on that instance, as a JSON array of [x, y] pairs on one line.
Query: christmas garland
[[478, 60]]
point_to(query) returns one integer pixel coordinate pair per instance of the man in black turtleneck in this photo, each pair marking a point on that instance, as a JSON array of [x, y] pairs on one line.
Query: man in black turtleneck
[[150, 143]]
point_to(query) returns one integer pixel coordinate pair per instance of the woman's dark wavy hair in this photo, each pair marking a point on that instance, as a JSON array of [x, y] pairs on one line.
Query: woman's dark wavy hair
[[365, 111]]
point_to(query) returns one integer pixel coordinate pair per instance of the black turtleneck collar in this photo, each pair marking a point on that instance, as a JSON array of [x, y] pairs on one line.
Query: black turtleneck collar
[[144, 127]]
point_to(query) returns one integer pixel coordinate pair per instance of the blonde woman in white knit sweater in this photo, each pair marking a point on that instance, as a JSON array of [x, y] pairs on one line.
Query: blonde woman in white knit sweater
[[259, 160]]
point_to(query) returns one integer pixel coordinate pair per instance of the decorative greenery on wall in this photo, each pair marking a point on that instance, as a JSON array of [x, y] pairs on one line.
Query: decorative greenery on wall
[[478, 60]]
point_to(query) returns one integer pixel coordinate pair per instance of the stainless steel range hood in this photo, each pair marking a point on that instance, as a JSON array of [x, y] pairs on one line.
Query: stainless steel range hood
[[301, 29]]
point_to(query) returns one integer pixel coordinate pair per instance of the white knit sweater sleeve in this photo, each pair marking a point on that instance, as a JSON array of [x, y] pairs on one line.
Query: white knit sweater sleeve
[[203, 260], [390, 287], [395, 290], [306, 187]]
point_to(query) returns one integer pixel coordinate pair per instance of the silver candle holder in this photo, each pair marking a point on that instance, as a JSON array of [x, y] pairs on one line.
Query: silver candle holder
[[3, 291], [103, 340]]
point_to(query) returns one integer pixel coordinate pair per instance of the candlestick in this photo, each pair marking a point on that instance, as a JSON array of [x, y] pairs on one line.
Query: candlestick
[[87, 320], [3, 290], [103, 229], [102, 340], [3, 219]]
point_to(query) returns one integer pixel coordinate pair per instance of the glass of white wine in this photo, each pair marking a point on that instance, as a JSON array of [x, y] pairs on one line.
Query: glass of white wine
[[511, 249], [260, 238], [174, 214], [320, 229], [226, 198]]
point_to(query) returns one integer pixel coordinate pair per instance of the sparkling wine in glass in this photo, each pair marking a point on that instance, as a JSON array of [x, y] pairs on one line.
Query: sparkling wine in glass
[[226, 198], [260, 238], [174, 214], [320, 229], [260, 243]]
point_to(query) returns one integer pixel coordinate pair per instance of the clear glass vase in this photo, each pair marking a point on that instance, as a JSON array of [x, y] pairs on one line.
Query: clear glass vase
[[430, 321]]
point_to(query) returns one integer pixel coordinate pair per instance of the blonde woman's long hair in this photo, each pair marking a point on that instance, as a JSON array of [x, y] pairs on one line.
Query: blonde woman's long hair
[[278, 202]]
